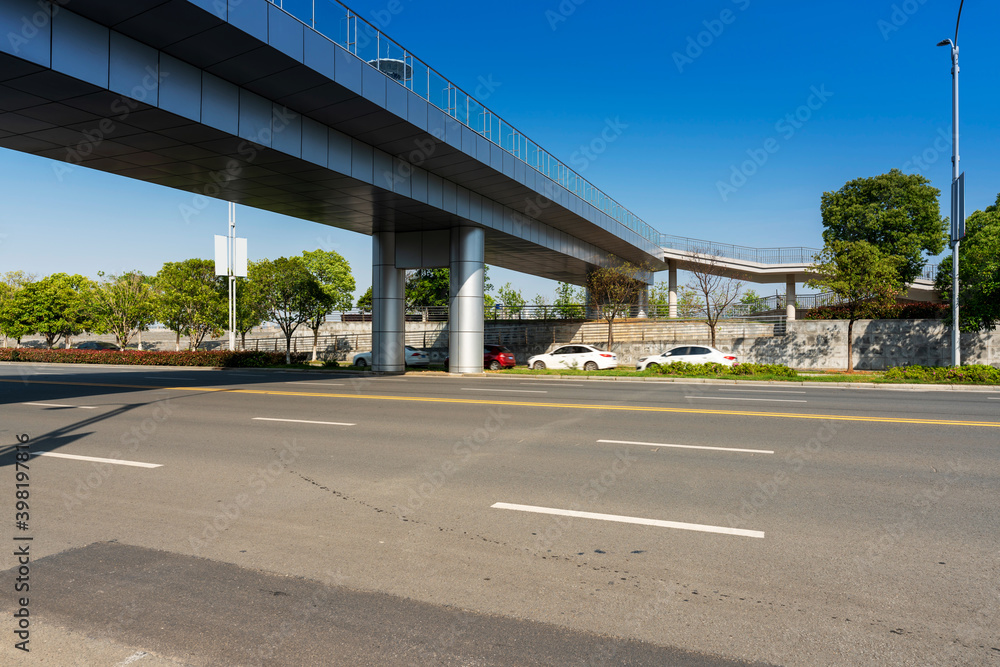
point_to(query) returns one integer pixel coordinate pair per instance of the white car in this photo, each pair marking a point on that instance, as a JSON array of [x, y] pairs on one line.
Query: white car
[[585, 357], [414, 357], [690, 354]]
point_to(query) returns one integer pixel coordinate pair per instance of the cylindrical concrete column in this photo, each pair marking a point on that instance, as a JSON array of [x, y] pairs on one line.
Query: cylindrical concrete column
[[790, 298], [465, 321], [672, 285], [388, 306], [643, 301]]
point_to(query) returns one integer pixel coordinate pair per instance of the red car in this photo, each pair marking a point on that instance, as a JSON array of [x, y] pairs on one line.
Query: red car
[[495, 357]]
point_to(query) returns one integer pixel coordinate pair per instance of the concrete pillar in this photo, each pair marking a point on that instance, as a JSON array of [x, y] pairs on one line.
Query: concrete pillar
[[388, 305], [672, 295], [790, 298], [643, 301], [465, 322]]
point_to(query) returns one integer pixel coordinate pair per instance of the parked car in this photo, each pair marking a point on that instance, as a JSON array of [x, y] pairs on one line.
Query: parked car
[[587, 357], [495, 357], [690, 354], [96, 345], [412, 355]]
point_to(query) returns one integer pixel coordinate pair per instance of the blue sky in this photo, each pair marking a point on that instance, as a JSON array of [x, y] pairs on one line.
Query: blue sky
[[698, 89]]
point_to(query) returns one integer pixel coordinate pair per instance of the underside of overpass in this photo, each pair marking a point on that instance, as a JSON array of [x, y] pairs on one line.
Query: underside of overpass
[[243, 102]]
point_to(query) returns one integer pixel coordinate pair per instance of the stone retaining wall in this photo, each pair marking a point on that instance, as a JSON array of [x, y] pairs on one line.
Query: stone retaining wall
[[819, 344]]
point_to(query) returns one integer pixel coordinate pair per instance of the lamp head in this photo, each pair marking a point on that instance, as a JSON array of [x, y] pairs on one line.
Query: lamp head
[[946, 42]]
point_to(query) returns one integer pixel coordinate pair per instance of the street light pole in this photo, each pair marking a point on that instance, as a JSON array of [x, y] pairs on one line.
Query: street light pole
[[956, 210]]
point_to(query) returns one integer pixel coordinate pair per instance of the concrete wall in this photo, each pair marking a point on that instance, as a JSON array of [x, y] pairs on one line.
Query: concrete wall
[[878, 344]]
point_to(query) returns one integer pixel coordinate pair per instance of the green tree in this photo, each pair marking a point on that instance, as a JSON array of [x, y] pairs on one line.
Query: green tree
[[542, 307], [365, 302], [897, 213], [191, 300], [568, 302], [865, 279], [755, 303], [614, 289], [333, 273], [250, 309], [58, 306], [124, 305], [428, 288], [11, 282], [289, 293], [978, 271], [511, 300]]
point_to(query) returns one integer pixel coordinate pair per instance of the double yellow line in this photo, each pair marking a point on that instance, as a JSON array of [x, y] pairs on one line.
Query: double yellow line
[[524, 404]]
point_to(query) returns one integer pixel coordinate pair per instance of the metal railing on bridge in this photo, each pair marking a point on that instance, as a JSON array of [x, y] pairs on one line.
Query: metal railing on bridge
[[339, 23]]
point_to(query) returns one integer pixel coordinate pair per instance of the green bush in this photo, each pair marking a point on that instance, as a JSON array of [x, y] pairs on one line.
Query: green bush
[[898, 311], [213, 358], [683, 369], [972, 374]]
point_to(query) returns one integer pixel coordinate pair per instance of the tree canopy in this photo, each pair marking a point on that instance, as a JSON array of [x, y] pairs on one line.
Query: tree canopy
[[978, 271], [124, 305], [613, 289], [897, 213], [867, 281], [290, 294], [191, 300], [57, 307]]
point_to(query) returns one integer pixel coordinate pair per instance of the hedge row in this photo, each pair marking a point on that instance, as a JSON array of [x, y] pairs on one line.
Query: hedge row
[[971, 374], [682, 369], [215, 358], [899, 311]]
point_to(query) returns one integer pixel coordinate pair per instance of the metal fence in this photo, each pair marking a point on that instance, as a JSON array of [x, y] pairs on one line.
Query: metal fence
[[745, 253], [340, 24]]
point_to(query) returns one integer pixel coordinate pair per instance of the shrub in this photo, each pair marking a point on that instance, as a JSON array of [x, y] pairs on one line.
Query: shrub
[[683, 369], [899, 311], [973, 374], [213, 358]]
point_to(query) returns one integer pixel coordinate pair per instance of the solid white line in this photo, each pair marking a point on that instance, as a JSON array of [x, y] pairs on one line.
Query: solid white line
[[135, 464], [518, 391], [324, 384], [558, 382], [764, 391], [740, 398], [993, 398], [300, 421], [62, 405], [631, 519], [716, 449]]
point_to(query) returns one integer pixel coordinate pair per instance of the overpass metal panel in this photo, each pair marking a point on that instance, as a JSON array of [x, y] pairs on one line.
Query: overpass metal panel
[[341, 24]]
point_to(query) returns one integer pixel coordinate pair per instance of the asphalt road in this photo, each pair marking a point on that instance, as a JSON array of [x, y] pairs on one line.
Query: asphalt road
[[501, 520]]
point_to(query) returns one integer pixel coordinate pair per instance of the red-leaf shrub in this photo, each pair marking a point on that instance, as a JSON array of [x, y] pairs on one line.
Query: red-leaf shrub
[[213, 358]]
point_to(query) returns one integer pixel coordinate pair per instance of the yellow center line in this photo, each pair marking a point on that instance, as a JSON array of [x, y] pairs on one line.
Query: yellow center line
[[525, 404]]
